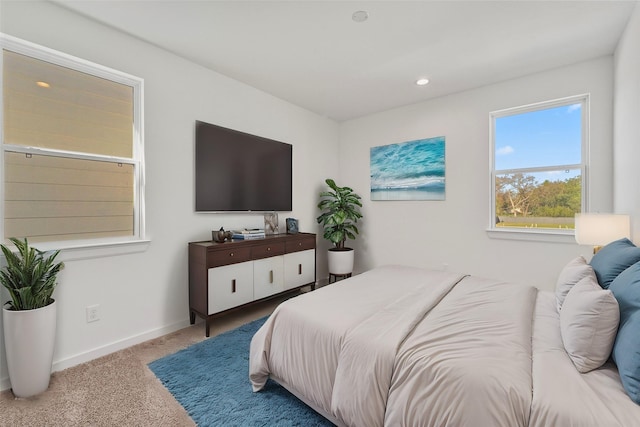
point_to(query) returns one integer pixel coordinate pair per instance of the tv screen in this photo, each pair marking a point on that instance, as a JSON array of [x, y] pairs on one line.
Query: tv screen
[[236, 171]]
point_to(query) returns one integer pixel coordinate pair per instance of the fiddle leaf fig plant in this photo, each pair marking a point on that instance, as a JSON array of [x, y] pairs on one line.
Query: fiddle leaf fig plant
[[30, 275], [340, 214]]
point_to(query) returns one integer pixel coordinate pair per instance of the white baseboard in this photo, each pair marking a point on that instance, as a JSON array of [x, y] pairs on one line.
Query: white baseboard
[[87, 356]]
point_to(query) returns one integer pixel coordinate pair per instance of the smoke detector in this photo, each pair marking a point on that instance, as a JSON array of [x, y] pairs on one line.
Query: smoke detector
[[360, 16]]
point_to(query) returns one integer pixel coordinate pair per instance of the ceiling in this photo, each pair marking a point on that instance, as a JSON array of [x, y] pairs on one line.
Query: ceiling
[[312, 54]]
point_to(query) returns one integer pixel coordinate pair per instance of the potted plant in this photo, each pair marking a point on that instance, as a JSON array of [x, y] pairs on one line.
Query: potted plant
[[340, 214], [29, 318]]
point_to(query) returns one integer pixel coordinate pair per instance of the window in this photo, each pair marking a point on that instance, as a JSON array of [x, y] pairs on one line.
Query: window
[[72, 150], [539, 166]]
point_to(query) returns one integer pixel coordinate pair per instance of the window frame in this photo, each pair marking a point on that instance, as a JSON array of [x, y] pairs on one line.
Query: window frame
[[42, 53], [540, 234]]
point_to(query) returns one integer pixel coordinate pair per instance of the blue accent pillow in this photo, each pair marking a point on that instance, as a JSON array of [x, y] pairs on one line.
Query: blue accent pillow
[[613, 259], [626, 348]]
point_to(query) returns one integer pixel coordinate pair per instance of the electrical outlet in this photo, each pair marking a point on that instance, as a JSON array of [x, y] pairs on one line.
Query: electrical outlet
[[93, 313]]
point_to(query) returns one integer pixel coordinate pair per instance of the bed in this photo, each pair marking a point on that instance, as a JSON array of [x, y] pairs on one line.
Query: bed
[[405, 346]]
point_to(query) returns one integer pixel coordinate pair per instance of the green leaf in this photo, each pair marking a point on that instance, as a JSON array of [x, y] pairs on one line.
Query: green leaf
[[340, 213], [29, 276]]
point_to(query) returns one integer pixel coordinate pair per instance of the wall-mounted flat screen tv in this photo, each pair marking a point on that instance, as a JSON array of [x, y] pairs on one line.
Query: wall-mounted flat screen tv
[[236, 171]]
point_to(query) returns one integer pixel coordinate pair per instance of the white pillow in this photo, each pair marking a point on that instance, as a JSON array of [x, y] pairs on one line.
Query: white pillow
[[571, 274], [588, 324]]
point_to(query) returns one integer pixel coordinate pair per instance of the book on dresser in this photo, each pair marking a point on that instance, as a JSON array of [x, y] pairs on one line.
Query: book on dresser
[[255, 233]]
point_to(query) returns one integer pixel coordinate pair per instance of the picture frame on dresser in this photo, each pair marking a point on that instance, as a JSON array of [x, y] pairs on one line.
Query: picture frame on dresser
[[292, 225]]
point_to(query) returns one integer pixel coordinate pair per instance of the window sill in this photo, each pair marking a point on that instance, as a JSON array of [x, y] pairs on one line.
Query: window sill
[[77, 250], [533, 236]]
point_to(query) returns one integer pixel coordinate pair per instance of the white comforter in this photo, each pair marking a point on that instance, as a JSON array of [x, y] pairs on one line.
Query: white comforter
[[403, 346]]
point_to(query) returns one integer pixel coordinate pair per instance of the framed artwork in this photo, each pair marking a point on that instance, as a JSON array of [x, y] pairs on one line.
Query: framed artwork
[[292, 225], [412, 170], [271, 223]]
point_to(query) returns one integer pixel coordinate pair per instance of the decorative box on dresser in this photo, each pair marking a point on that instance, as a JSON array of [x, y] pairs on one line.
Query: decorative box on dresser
[[223, 276]]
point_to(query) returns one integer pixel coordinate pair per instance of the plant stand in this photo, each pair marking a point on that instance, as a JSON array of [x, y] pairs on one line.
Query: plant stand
[[337, 277]]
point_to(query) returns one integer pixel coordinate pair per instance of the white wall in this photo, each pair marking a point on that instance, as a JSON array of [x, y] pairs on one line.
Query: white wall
[[145, 294], [453, 232], [626, 173]]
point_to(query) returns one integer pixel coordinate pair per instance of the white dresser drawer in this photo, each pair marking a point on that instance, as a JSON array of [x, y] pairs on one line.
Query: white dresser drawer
[[268, 276], [230, 286], [299, 268]]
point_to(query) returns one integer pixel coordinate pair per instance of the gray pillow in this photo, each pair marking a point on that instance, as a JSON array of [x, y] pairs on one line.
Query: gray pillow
[[576, 270], [588, 324]]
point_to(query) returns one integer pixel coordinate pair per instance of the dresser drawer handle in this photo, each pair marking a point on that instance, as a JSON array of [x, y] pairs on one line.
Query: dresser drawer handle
[[268, 249], [233, 286], [231, 254]]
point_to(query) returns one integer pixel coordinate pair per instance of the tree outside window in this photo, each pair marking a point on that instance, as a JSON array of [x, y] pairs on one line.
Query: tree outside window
[[539, 165]]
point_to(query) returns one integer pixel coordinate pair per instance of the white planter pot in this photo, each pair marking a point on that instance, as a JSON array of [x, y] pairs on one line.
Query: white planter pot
[[341, 261], [29, 337]]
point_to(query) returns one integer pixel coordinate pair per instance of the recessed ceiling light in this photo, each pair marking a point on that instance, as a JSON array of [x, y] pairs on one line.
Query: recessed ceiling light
[[43, 84], [360, 16], [422, 82]]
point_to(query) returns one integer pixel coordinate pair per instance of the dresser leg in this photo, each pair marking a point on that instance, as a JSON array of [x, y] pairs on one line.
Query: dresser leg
[[206, 322], [192, 317]]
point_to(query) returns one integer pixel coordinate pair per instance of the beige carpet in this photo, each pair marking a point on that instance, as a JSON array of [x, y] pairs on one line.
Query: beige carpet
[[118, 389]]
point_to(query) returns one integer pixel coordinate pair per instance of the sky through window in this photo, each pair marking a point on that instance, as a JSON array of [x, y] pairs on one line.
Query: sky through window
[[542, 138]]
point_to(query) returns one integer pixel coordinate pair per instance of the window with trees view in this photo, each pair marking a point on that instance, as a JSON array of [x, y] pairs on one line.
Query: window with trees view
[[539, 165]]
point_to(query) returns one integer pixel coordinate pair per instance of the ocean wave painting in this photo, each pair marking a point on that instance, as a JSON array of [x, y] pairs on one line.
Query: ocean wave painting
[[412, 170]]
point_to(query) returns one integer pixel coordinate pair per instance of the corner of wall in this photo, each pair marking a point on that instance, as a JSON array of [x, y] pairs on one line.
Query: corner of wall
[[626, 127]]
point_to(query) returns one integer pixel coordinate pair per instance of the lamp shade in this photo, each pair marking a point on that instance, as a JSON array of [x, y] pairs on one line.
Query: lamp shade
[[600, 229]]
